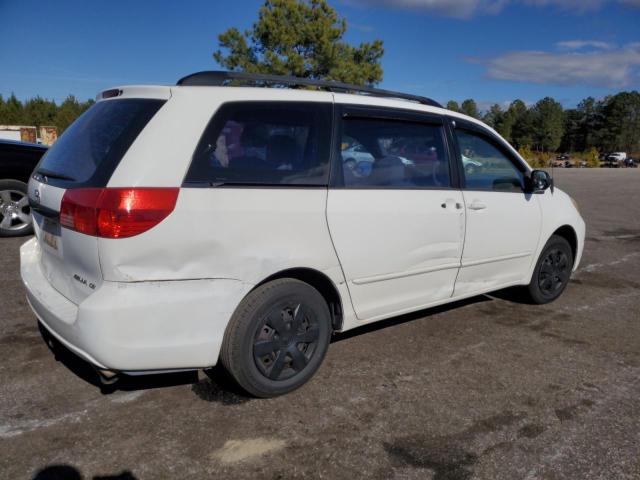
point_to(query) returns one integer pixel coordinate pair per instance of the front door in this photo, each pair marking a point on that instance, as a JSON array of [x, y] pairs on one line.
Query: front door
[[396, 222], [503, 222]]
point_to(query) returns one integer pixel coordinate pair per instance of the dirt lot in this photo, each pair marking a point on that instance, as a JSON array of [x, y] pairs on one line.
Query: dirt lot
[[486, 388]]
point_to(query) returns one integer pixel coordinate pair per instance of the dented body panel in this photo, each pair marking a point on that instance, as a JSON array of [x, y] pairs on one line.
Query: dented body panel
[[135, 326]]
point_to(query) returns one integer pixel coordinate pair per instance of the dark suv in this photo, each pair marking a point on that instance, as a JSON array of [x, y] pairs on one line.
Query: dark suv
[[17, 161]]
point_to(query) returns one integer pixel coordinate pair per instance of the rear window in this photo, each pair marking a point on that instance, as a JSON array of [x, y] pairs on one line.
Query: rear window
[[91, 148], [264, 143]]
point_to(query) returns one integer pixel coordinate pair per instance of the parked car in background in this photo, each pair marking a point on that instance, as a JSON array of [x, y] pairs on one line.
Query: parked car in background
[[158, 247], [471, 166], [354, 154], [617, 156], [17, 161], [612, 162], [558, 163], [615, 160]]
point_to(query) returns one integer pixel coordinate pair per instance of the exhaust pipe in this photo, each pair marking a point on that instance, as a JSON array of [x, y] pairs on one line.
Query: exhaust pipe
[[107, 377]]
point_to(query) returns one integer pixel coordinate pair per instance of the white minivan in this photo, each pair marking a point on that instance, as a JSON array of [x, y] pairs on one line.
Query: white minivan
[[179, 226]]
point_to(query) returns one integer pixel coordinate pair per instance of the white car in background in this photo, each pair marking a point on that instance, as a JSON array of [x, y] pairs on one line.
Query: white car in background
[[617, 156], [354, 155], [470, 165], [181, 226]]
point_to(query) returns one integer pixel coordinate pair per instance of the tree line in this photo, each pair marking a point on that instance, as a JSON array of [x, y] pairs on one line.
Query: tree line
[[607, 125], [39, 111]]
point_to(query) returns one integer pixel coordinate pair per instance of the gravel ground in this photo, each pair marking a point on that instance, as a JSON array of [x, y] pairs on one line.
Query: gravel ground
[[485, 388]]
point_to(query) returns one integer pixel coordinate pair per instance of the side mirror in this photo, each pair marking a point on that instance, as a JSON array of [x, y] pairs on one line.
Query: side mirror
[[539, 181]]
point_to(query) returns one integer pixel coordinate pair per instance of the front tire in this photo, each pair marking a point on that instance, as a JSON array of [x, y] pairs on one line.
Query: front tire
[[277, 338], [552, 272], [15, 215]]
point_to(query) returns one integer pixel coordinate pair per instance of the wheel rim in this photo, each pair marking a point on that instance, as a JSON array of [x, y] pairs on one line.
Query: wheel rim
[[15, 213], [554, 272], [285, 341]]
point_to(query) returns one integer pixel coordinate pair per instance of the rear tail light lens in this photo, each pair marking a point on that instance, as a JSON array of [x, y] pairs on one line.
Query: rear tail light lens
[[116, 212]]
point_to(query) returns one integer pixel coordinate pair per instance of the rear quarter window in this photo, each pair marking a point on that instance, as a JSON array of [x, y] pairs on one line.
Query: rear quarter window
[[91, 148], [264, 143]]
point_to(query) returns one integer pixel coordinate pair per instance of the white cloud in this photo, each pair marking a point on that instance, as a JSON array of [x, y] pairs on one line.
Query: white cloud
[[449, 8], [469, 8], [611, 68], [579, 6], [580, 44]]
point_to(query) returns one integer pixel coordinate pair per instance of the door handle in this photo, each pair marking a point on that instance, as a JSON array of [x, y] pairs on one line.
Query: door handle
[[476, 205]]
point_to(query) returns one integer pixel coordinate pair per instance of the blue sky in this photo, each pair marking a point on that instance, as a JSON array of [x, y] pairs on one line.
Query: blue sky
[[489, 50]]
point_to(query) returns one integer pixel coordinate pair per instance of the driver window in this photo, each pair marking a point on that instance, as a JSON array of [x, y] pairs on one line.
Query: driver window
[[485, 166], [393, 154]]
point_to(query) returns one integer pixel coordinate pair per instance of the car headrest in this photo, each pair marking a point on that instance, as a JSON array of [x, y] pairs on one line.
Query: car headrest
[[389, 170], [281, 149]]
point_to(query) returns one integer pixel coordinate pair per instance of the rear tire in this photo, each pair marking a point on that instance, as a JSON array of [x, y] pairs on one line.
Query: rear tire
[[15, 214], [277, 338], [552, 273]]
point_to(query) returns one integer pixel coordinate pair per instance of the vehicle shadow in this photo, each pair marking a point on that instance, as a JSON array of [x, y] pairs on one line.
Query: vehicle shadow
[[218, 387], [86, 372], [69, 472], [408, 317], [513, 294]]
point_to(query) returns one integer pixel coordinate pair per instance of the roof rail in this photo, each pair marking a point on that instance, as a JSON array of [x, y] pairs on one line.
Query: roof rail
[[222, 78]]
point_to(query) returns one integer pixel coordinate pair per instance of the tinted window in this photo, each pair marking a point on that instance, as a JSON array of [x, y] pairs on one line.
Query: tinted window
[[393, 154], [91, 148], [486, 167], [19, 159], [265, 143]]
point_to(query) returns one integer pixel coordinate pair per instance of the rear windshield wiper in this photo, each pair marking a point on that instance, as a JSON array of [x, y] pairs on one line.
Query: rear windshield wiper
[[51, 174]]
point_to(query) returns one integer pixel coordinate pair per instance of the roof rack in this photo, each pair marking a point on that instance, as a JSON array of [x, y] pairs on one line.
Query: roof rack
[[222, 78]]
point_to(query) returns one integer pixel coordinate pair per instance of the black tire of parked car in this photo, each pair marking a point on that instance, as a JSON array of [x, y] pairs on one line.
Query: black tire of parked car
[[350, 163], [277, 337], [552, 273], [14, 202]]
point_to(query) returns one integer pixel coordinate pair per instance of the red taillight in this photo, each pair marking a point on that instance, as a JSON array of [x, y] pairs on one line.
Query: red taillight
[[116, 212]]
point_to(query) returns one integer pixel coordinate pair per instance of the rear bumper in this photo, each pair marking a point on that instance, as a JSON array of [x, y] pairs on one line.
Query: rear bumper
[[136, 326]]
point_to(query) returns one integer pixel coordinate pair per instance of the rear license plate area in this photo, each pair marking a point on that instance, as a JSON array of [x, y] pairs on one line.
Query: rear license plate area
[[51, 233]]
